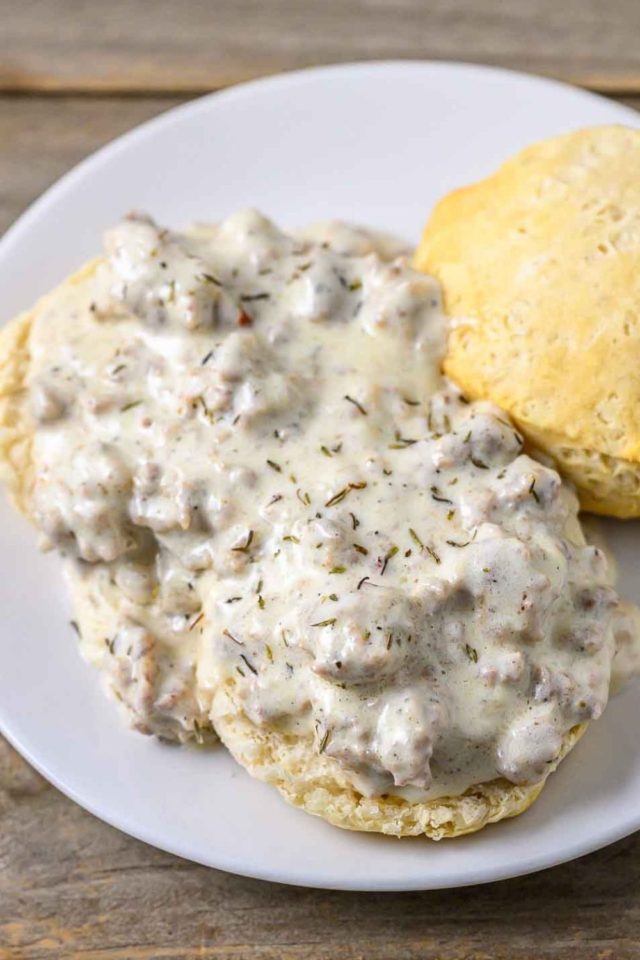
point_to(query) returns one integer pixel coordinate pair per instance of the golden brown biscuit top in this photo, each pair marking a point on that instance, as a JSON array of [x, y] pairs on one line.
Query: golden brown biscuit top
[[542, 263]]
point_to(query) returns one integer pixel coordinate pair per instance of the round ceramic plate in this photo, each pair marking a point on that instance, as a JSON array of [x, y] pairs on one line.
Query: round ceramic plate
[[373, 143]]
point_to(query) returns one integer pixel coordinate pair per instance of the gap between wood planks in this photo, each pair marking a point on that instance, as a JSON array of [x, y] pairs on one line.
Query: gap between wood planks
[[612, 86]]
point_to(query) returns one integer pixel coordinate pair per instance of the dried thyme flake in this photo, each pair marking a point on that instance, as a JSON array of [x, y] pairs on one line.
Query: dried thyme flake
[[249, 664], [388, 556], [437, 495], [337, 497], [416, 539], [401, 442], [356, 404], [433, 554], [196, 621], [244, 548], [341, 494], [209, 278], [226, 633], [251, 297]]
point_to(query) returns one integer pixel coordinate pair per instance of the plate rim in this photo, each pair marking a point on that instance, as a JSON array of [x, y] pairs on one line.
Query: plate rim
[[56, 192], [526, 867]]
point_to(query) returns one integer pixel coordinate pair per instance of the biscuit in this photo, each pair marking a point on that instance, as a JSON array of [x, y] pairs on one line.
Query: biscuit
[[307, 779], [16, 427], [540, 265], [317, 784]]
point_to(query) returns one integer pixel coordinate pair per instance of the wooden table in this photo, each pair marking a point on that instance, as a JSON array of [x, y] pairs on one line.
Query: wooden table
[[72, 76]]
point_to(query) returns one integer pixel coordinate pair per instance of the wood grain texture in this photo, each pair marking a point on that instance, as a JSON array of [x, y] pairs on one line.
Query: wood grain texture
[[72, 888], [194, 45]]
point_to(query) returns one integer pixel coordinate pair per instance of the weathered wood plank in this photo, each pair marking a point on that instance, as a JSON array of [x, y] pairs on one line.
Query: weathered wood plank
[[197, 45], [72, 887]]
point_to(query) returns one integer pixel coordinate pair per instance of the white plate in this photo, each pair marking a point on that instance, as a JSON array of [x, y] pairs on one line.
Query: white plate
[[375, 143]]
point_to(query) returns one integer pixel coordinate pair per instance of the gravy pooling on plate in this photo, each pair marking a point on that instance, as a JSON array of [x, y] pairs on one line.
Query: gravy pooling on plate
[[245, 449]]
